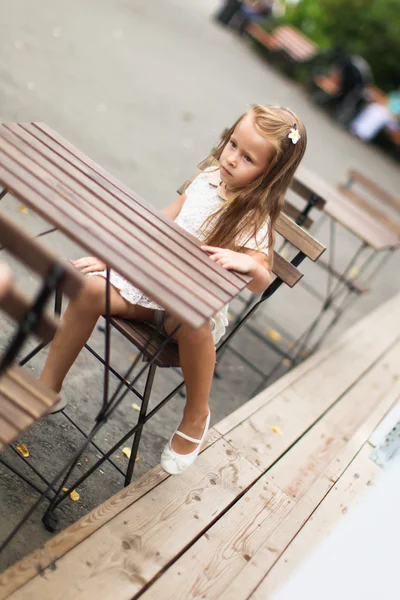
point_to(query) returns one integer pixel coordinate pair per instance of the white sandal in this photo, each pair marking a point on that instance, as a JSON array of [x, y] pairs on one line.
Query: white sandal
[[174, 463]]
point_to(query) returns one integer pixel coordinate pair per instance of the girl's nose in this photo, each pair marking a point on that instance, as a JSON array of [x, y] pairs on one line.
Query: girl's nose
[[232, 159]]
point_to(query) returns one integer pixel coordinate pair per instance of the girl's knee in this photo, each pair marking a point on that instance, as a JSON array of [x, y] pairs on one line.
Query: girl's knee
[[93, 293], [196, 336]]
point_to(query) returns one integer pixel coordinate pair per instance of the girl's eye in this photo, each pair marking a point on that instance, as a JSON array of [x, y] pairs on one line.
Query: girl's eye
[[248, 159], [233, 144]]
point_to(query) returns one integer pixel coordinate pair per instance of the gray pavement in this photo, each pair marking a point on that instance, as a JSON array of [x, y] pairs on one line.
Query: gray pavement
[[145, 89]]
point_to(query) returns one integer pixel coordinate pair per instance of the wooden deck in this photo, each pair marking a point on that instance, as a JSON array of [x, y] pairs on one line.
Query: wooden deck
[[275, 477]]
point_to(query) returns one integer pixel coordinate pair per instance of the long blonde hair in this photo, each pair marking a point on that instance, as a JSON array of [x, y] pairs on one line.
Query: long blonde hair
[[250, 207]]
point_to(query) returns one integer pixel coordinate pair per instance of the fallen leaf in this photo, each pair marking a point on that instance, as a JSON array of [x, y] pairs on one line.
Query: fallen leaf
[[74, 496], [136, 407], [64, 489], [137, 457], [23, 450], [277, 429], [354, 273], [23, 209], [126, 452], [273, 334], [287, 362], [29, 500]]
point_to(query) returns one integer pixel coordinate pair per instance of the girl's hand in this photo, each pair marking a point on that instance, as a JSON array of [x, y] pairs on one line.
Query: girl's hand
[[235, 261], [88, 264]]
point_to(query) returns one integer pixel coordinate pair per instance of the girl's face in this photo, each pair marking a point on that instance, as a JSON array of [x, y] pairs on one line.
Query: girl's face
[[246, 155]]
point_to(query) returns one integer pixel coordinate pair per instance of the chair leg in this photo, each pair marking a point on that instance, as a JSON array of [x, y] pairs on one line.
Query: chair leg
[[141, 422]]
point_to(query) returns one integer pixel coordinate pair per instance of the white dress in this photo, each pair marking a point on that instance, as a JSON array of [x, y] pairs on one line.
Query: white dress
[[202, 200]]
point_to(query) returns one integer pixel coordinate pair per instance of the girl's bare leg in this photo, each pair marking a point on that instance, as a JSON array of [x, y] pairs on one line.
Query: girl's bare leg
[[78, 323], [197, 359]]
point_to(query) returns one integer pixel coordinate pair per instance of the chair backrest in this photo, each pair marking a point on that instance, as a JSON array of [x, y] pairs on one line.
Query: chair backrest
[[35, 255], [24, 399], [362, 191]]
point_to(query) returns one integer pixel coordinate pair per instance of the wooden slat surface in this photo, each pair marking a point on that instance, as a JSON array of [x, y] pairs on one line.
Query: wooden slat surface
[[67, 189], [23, 400], [231, 521], [351, 217]]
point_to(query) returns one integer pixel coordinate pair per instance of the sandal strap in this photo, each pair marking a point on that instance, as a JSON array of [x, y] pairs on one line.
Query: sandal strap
[[187, 437]]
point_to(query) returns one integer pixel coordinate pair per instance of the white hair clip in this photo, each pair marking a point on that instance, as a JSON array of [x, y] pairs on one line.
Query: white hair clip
[[294, 135]]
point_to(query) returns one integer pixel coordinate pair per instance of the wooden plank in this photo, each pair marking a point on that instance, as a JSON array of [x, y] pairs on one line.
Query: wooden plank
[[107, 181], [318, 390], [117, 560], [103, 225], [208, 567], [300, 238], [355, 481], [376, 213], [261, 563], [135, 221], [37, 561], [283, 269], [314, 362], [23, 400], [374, 188]]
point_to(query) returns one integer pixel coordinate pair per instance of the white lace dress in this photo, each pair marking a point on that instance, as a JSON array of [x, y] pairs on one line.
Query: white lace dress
[[202, 200]]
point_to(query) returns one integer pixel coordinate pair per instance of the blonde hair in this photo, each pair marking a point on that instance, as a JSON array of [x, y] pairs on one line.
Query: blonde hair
[[250, 207]]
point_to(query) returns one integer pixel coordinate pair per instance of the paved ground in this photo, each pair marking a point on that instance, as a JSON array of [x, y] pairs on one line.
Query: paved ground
[[145, 88]]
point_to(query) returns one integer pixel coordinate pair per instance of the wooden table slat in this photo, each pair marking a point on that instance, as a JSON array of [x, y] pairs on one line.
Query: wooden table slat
[[154, 261], [105, 179], [131, 217], [26, 186]]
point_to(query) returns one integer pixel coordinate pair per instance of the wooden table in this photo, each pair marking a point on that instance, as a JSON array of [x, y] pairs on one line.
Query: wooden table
[[94, 209], [376, 240]]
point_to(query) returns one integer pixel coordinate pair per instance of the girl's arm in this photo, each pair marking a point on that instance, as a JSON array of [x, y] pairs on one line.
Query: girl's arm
[[173, 210], [261, 276], [251, 262]]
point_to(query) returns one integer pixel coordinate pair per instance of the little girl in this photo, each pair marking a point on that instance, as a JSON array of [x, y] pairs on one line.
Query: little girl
[[232, 208]]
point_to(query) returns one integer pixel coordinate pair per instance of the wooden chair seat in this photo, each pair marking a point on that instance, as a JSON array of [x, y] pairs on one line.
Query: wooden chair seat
[[148, 341], [23, 400]]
